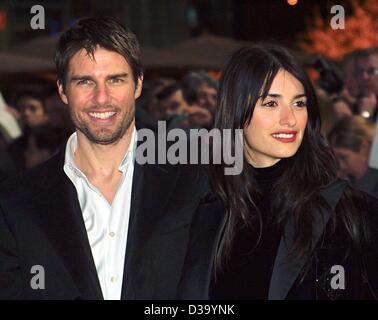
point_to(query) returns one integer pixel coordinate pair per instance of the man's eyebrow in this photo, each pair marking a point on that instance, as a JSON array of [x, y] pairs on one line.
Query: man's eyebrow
[[88, 77], [80, 77], [117, 75]]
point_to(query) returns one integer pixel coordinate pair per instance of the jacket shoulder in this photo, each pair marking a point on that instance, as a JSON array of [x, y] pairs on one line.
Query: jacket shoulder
[[30, 182]]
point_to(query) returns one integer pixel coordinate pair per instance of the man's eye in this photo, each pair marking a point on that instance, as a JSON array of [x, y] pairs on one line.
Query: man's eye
[[116, 80], [83, 82], [301, 104], [270, 104]]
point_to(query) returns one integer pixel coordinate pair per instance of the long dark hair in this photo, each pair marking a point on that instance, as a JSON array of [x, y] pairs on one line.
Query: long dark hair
[[248, 75]]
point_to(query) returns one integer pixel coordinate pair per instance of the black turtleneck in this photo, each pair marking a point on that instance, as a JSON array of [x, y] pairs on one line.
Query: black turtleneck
[[249, 271]]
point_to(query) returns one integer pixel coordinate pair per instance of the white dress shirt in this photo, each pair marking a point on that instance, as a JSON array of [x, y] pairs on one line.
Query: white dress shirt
[[107, 225]]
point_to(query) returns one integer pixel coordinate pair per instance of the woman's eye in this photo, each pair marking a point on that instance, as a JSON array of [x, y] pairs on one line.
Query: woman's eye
[[270, 104], [300, 104]]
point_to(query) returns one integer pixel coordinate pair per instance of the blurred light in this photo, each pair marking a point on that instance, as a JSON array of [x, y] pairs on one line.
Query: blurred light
[[292, 2], [3, 19]]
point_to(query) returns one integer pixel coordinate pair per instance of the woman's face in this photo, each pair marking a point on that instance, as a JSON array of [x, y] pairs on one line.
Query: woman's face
[[278, 122]]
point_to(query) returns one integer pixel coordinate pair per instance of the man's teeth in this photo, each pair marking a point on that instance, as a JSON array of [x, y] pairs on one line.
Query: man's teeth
[[102, 115], [283, 135]]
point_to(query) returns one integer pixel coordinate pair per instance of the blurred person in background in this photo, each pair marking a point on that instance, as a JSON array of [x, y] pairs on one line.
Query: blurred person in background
[[350, 90], [199, 88], [341, 107], [58, 114], [31, 106], [151, 103], [366, 73], [43, 142], [351, 139], [178, 112]]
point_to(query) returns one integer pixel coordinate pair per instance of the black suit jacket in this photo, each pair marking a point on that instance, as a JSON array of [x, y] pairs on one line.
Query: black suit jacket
[[360, 271], [41, 224]]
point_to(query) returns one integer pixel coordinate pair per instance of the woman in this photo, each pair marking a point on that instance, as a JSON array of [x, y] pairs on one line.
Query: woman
[[286, 227], [351, 139]]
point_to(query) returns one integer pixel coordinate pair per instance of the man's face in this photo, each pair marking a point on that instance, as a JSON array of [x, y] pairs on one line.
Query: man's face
[[351, 162], [207, 97], [367, 74], [175, 103], [101, 94]]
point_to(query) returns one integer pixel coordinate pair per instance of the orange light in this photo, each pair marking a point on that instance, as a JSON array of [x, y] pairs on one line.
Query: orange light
[[3, 20], [292, 2]]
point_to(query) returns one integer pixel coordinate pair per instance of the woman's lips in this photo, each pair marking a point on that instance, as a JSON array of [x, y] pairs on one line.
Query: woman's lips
[[285, 136]]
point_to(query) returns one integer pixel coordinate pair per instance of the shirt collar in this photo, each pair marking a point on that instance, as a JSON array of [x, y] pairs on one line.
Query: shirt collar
[[69, 160]]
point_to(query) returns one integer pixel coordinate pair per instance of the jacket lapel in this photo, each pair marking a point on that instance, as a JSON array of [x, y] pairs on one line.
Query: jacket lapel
[[286, 270], [64, 226], [152, 188]]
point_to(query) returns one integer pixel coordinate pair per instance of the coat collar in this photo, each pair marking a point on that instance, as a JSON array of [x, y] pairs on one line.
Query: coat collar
[[152, 188], [65, 228], [286, 270]]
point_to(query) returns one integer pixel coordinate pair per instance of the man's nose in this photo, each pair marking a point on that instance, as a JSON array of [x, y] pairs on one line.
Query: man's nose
[[287, 116], [101, 94]]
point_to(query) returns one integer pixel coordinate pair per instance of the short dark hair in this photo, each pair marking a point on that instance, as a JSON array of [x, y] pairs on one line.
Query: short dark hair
[[193, 80], [105, 32], [168, 90], [35, 94], [350, 132]]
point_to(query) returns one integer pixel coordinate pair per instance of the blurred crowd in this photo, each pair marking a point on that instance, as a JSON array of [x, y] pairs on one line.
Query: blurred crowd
[[349, 105], [354, 127]]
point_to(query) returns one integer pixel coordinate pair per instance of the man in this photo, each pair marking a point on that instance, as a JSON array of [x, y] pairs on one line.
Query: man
[[92, 223], [180, 114], [200, 88], [367, 76], [33, 113]]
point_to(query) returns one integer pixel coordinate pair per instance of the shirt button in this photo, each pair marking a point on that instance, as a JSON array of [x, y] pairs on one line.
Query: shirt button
[[113, 279], [111, 233]]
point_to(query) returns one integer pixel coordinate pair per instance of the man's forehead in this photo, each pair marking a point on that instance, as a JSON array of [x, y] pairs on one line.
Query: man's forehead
[[100, 58]]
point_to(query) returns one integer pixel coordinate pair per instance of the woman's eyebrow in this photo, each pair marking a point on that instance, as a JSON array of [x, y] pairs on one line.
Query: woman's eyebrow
[[301, 95], [276, 95]]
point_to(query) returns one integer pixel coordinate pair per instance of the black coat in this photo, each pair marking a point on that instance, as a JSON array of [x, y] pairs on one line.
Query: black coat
[[361, 276], [41, 224]]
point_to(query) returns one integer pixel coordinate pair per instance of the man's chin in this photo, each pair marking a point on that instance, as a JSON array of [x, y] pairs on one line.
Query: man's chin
[[103, 138]]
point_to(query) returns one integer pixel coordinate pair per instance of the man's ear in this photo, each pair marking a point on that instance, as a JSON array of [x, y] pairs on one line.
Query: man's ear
[[61, 91], [139, 85]]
